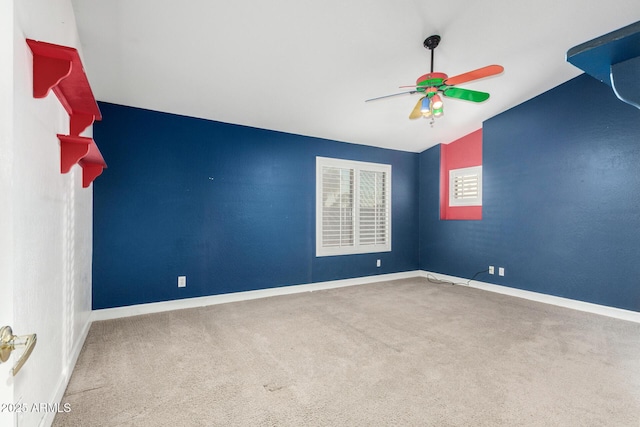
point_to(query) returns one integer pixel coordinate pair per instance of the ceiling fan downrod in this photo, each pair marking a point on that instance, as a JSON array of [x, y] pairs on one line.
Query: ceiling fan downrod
[[431, 43]]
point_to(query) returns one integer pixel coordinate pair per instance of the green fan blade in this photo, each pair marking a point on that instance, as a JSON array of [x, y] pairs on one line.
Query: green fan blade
[[466, 94]]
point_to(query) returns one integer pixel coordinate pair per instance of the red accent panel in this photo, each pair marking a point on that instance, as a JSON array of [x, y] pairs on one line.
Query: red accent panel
[[461, 153], [59, 68]]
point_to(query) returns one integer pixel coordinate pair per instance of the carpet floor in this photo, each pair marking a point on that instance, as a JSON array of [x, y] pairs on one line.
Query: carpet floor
[[405, 353]]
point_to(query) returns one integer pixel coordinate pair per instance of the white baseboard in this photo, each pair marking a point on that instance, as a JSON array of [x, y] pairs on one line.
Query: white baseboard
[[618, 313], [135, 310], [66, 372]]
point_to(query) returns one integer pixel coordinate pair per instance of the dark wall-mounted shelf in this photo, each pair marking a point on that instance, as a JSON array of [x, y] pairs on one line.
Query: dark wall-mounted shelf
[[614, 59], [59, 69]]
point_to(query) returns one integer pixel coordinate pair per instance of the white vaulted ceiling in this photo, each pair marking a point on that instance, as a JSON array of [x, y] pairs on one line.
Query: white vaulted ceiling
[[307, 66]]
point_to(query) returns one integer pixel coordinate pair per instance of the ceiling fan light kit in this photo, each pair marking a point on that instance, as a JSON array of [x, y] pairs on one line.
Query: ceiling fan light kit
[[435, 83], [437, 102], [426, 106]]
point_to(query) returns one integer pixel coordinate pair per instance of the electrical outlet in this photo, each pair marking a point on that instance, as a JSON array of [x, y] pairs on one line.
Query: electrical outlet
[[182, 281], [378, 263], [500, 271], [491, 269]]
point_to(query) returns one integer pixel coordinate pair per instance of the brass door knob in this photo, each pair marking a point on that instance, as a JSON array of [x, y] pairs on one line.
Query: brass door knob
[[9, 342]]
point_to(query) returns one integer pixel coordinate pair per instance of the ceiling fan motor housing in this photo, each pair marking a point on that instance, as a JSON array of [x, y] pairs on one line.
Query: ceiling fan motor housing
[[432, 42], [430, 80]]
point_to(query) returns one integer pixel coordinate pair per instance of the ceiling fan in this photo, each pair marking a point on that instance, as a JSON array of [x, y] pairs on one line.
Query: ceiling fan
[[434, 84]]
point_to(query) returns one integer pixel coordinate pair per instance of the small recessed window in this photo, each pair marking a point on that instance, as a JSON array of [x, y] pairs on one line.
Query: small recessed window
[[465, 186]]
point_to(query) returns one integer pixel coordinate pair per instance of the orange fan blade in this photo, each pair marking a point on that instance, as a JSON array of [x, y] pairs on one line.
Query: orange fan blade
[[416, 113], [480, 73]]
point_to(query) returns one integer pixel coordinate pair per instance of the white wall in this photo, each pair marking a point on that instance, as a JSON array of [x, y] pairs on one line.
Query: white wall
[[51, 220], [6, 208]]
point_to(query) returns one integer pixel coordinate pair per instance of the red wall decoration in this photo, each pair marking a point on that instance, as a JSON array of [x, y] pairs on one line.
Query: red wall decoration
[[461, 153], [59, 69]]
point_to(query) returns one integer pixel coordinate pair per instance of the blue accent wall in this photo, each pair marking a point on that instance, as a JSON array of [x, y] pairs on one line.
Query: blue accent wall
[[561, 200], [230, 207]]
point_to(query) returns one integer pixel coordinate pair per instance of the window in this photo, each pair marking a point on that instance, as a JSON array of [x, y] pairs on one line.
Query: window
[[353, 207], [465, 186]]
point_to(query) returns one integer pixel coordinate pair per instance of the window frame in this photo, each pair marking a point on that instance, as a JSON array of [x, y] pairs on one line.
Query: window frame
[[467, 201], [357, 167]]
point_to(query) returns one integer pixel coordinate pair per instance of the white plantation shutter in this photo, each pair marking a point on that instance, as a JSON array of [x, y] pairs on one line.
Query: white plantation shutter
[[337, 207], [353, 207], [374, 210], [465, 186]]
